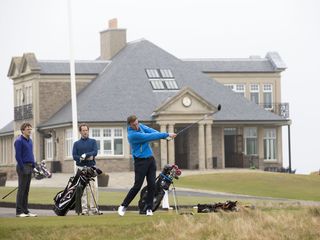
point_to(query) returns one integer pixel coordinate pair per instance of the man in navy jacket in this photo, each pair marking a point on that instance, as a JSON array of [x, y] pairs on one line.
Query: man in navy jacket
[[139, 136], [84, 153], [25, 164]]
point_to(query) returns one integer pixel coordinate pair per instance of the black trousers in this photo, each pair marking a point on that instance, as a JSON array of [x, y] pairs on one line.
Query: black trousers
[[143, 167], [24, 179]]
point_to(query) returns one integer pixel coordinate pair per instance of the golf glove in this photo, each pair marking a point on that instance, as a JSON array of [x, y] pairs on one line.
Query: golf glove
[[83, 157]]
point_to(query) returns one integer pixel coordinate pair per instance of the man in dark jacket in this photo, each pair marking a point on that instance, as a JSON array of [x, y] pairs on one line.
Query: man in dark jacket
[[84, 153], [139, 136], [25, 164]]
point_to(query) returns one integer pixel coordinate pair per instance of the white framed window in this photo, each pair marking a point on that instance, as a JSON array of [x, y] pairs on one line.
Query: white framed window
[[254, 93], [49, 148], [161, 79], [170, 84], [250, 135], [109, 141], [231, 86], [68, 142], [157, 84], [238, 88], [166, 73], [152, 73], [267, 96], [270, 143]]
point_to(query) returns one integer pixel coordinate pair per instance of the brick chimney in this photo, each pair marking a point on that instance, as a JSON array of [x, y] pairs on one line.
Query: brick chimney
[[112, 40]]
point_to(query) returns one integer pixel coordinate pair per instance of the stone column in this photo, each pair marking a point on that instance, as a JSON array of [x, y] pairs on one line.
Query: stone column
[[201, 146], [163, 147], [209, 145], [171, 154]]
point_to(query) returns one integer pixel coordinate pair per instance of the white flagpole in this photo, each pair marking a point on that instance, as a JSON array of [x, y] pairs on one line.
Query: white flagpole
[[73, 81]]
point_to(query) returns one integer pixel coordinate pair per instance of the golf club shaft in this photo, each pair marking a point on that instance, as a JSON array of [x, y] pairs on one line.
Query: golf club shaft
[[205, 116], [9, 193], [191, 125]]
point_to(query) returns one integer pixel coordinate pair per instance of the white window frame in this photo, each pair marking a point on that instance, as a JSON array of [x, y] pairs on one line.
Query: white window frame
[[270, 144], [162, 79], [49, 148], [254, 88], [68, 142], [230, 86], [267, 88], [252, 134], [101, 135], [239, 88]]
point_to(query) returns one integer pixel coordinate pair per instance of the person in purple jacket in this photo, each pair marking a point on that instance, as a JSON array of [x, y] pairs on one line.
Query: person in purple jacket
[[25, 165], [139, 136]]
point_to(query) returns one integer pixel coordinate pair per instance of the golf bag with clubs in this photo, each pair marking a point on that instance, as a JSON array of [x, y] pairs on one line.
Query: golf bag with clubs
[[70, 197], [41, 171], [163, 182]]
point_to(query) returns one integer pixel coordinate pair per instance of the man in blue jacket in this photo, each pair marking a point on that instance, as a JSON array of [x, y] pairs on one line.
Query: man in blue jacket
[[139, 137], [84, 152], [25, 164]]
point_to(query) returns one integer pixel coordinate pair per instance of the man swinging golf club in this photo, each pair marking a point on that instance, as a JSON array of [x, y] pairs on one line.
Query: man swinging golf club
[[139, 137]]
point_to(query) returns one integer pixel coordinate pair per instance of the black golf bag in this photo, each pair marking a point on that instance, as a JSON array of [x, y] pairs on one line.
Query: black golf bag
[[163, 182], [70, 197], [226, 206]]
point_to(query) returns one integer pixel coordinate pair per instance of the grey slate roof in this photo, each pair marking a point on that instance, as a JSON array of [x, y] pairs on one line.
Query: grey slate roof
[[81, 67], [123, 89], [236, 65], [7, 129]]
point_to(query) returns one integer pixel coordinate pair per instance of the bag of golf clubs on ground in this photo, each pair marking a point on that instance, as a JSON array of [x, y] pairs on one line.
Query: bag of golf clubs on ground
[[70, 197], [163, 182], [226, 206]]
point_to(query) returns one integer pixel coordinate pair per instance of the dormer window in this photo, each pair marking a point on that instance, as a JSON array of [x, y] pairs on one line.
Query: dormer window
[[162, 79]]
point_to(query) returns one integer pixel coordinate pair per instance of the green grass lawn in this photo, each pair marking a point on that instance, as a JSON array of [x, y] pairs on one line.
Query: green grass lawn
[[278, 185], [45, 196]]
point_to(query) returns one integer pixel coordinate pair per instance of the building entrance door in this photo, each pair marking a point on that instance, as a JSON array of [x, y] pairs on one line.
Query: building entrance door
[[233, 145]]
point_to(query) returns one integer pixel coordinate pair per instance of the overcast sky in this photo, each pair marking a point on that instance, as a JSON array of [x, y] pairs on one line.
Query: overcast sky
[[187, 29]]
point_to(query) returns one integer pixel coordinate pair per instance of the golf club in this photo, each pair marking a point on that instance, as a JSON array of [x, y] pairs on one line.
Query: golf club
[[9, 193], [191, 125]]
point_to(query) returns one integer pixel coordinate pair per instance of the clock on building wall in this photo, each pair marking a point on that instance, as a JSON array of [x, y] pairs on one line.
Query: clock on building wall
[[186, 101]]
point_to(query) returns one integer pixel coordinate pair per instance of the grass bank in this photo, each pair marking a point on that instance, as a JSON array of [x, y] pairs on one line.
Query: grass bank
[[276, 223]]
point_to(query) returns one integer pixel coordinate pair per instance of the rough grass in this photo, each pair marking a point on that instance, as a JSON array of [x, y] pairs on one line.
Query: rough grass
[[278, 185], [266, 223]]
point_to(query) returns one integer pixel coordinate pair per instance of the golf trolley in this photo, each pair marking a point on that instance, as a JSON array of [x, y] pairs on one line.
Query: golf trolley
[[163, 182], [70, 197]]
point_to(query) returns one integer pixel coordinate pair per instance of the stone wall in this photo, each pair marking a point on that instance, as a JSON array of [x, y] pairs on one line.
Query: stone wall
[[53, 96]]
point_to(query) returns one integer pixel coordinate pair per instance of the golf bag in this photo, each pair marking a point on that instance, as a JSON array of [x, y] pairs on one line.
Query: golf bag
[[41, 171], [226, 206], [163, 182], [70, 197]]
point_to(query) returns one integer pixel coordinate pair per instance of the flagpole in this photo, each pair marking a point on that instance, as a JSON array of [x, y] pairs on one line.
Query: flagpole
[[73, 81]]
